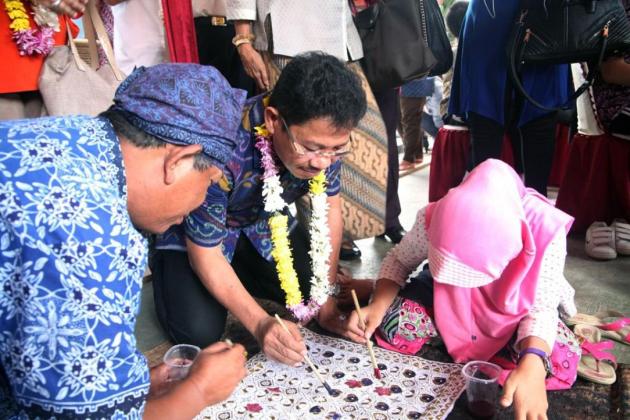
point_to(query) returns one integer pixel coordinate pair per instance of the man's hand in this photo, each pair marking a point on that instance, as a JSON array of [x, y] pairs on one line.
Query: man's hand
[[254, 65], [212, 378], [277, 344], [526, 388], [217, 371]]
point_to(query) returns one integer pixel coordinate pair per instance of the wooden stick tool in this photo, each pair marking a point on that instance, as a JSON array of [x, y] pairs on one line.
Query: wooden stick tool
[[308, 360], [377, 371]]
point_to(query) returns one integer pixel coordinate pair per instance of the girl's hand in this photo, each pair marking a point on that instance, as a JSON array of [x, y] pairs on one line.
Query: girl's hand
[[373, 316], [525, 386]]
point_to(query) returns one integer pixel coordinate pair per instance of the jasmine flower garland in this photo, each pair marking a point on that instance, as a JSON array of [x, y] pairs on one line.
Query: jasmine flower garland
[[278, 223]]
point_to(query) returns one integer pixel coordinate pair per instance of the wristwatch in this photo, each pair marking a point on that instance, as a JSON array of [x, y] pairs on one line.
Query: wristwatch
[[544, 356]]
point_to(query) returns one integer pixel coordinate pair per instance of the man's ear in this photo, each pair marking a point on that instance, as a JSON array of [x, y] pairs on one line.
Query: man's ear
[[272, 116], [177, 160]]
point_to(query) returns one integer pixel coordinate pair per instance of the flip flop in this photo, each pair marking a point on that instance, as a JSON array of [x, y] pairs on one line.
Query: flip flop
[[593, 353], [618, 330]]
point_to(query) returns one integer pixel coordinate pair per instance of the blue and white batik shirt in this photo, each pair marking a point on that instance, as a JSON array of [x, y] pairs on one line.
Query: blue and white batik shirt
[[71, 266]]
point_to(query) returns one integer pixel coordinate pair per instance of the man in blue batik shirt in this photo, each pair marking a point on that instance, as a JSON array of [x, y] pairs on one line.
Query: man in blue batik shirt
[[75, 193], [221, 256]]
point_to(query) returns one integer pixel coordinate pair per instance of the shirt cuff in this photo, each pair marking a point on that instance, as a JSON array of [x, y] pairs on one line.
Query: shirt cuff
[[241, 14], [542, 325]]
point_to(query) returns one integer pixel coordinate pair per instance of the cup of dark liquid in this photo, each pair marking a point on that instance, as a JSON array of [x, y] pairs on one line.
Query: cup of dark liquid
[[179, 359], [482, 388]]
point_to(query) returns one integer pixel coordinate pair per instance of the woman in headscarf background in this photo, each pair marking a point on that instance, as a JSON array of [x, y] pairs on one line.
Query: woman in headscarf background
[[496, 254]]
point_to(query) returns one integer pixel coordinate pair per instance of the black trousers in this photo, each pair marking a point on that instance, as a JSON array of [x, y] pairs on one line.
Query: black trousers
[[214, 44], [389, 105], [533, 145], [190, 314]]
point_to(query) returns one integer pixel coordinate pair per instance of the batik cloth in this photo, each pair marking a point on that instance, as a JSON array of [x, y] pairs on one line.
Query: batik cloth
[[405, 328], [71, 266], [184, 104], [364, 169], [236, 205]]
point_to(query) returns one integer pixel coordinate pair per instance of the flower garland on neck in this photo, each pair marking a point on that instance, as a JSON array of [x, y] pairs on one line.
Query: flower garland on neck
[[32, 41], [278, 223]]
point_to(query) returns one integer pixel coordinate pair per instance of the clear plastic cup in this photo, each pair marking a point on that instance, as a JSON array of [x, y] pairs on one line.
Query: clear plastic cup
[[179, 359], [482, 388]]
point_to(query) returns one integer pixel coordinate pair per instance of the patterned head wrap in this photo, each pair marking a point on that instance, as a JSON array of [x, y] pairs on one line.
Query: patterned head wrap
[[184, 104]]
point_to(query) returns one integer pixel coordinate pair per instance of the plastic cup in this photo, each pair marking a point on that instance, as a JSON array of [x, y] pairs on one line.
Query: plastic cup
[[179, 359], [482, 388]]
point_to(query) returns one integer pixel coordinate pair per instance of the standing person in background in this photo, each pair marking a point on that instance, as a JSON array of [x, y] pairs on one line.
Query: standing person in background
[[483, 93], [454, 21], [214, 42], [431, 116], [28, 32], [268, 35], [138, 33], [413, 96]]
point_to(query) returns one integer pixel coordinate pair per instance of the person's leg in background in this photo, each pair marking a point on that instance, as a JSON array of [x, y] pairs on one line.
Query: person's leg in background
[[411, 120], [486, 139], [428, 127], [20, 105], [214, 44], [534, 145], [389, 106]]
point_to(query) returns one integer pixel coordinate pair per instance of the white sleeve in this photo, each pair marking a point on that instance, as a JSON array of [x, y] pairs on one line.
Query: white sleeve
[[552, 291], [405, 257], [241, 10]]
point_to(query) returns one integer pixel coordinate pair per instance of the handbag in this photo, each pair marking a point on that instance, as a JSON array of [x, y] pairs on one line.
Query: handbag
[[394, 48], [566, 31], [68, 85], [434, 31]]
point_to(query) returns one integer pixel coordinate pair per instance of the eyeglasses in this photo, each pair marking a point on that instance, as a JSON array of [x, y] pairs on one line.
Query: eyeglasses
[[311, 154]]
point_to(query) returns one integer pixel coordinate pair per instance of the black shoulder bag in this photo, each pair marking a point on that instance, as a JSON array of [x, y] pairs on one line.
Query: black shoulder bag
[[394, 49], [434, 31], [566, 31]]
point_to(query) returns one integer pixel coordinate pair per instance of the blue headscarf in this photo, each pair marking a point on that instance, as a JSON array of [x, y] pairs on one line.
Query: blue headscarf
[[184, 104]]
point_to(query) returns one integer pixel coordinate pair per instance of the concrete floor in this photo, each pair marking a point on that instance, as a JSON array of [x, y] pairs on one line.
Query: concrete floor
[[599, 285]]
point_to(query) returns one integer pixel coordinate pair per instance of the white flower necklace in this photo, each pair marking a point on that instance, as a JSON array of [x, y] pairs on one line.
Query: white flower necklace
[[320, 248]]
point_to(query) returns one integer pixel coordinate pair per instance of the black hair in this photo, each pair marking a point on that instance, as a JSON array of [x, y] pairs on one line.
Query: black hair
[[144, 140], [455, 17], [317, 85]]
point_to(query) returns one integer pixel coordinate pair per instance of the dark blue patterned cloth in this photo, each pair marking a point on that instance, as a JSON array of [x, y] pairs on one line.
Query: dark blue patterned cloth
[[71, 266], [418, 88], [236, 205], [184, 104]]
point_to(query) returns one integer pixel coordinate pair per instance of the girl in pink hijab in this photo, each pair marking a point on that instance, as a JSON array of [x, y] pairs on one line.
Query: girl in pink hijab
[[496, 254]]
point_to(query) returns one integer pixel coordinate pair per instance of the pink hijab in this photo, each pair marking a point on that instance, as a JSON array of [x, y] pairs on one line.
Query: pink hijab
[[487, 238]]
